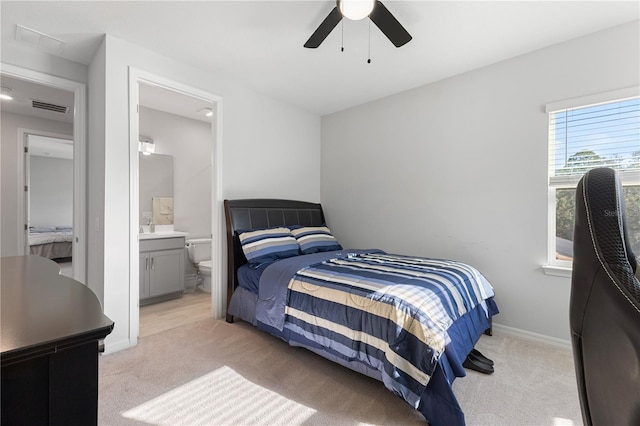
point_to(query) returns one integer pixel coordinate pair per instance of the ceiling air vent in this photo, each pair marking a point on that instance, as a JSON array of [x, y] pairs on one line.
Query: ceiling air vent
[[49, 107]]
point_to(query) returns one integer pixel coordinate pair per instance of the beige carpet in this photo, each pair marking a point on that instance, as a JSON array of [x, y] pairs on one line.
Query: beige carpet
[[213, 373]]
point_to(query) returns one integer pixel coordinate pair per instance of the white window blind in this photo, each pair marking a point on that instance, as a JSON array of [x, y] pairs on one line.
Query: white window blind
[[600, 135], [601, 130]]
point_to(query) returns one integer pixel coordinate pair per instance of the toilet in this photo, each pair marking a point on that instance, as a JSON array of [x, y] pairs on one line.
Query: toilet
[[199, 252]]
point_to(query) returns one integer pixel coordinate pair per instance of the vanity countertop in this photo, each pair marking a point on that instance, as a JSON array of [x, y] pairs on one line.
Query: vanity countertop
[[161, 234]]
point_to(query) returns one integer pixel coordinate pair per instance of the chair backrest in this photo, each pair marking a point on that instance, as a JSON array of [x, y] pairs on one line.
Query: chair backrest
[[605, 304]]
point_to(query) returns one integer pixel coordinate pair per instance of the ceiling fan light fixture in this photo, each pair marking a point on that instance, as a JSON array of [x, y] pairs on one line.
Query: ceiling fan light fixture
[[146, 145], [360, 9], [207, 112], [5, 93], [356, 9]]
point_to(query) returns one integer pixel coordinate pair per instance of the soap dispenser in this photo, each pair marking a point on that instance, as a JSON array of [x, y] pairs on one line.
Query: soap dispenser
[[152, 226]]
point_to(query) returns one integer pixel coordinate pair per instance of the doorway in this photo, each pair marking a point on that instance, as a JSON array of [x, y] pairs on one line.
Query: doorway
[[45, 85], [157, 97], [48, 166]]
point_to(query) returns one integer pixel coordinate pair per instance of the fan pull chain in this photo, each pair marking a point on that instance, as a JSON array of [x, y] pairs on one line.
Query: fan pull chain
[[342, 27], [369, 60]]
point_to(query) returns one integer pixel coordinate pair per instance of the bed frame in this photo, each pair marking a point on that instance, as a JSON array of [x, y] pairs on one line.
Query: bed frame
[[248, 214], [261, 213], [58, 251]]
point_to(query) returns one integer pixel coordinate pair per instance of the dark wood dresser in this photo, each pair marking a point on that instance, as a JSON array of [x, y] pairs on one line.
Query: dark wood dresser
[[50, 329]]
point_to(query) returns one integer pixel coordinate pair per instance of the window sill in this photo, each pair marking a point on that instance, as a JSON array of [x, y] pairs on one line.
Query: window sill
[[558, 271]]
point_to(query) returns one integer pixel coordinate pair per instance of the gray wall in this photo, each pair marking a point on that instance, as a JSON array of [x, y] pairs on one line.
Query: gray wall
[[51, 191], [260, 136], [10, 195], [189, 142], [458, 169]]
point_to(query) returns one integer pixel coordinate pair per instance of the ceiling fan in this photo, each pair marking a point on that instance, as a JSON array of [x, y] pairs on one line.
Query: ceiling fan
[[360, 9]]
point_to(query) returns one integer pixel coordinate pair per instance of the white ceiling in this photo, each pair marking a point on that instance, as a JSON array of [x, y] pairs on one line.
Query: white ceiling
[[259, 43], [151, 96], [173, 102], [23, 92]]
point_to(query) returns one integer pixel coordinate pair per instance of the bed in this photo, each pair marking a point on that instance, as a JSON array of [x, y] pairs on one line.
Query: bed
[[407, 321], [51, 242]]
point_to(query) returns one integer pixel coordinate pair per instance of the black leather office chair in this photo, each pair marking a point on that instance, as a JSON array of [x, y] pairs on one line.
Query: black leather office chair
[[605, 304]]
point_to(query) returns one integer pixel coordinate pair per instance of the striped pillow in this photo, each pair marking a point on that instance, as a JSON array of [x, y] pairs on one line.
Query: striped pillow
[[315, 239], [267, 245]]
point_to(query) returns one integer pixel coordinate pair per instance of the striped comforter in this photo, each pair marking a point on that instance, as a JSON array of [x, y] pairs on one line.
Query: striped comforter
[[389, 312]]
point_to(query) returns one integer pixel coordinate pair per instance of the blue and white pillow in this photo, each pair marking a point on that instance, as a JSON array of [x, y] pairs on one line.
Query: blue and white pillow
[[315, 239], [267, 245]]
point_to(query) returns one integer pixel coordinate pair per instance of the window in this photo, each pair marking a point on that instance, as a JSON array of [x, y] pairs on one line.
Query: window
[[600, 131]]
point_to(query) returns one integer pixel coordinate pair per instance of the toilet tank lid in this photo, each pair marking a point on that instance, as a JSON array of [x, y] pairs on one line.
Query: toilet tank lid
[[199, 241]]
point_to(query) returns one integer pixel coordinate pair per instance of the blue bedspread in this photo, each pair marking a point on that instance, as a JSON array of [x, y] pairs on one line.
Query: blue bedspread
[[407, 321]]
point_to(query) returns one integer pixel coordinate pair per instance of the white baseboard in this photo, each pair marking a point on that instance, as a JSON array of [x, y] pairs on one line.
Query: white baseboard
[[532, 337], [111, 347]]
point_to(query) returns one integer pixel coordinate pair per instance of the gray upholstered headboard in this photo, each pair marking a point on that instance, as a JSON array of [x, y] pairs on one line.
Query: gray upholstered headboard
[[261, 213]]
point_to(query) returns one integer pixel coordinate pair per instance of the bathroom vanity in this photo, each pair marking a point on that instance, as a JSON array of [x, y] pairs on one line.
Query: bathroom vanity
[[162, 250], [161, 266]]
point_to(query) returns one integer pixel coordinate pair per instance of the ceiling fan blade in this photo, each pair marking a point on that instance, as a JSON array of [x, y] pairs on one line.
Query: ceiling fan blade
[[324, 29], [389, 25]]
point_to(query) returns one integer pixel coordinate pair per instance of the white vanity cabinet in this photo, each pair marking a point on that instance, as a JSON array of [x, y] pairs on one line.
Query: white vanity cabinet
[[161, 269]]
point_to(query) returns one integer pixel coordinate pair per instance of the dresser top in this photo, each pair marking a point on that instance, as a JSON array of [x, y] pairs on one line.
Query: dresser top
[[43, 311]]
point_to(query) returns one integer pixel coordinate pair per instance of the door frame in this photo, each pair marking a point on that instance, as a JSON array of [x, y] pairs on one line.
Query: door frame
[[79, 160], [137, 76], [26, 167]]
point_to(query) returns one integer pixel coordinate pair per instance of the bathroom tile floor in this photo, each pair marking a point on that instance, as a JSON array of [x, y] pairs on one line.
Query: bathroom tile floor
[[163, 316]]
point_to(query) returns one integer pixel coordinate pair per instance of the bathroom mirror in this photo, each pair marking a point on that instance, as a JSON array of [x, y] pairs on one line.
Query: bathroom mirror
[[156, 189]]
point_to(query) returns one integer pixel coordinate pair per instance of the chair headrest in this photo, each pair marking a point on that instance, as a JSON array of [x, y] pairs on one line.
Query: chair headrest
[[600, 233]]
